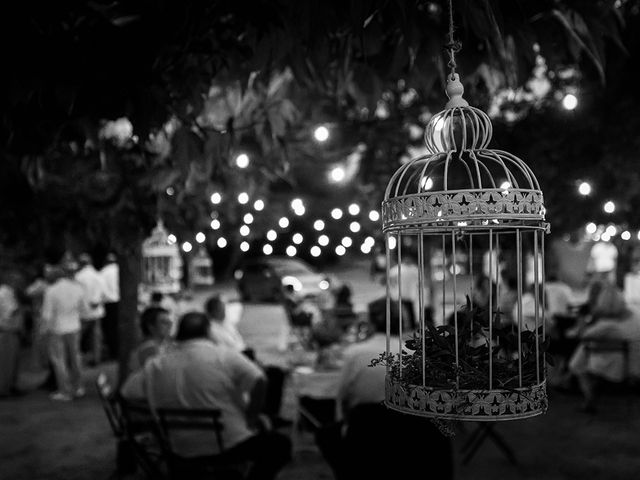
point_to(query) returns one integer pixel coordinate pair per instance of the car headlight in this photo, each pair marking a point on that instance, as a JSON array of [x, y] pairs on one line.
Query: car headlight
[[324, 285]]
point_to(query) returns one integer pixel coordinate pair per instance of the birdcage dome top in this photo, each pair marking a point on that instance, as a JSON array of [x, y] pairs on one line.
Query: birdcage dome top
[[460, 181]]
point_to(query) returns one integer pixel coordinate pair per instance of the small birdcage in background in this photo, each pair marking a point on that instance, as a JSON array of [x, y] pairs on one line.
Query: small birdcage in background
[[161, 262], [201, 269], [480, 363]]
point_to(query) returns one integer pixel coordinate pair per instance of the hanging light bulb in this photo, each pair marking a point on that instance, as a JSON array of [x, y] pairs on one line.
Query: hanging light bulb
[[336, 214], [244, 246], [187, 247], [242, 160], [222, 242], [321, 134], [318, 225], [200, 237], [584, 188], [354, 209], [272, 235], [323, 240]]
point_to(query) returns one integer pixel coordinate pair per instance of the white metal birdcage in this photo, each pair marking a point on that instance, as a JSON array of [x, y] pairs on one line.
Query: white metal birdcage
[[461, 199], [161, 262], [201, 269]]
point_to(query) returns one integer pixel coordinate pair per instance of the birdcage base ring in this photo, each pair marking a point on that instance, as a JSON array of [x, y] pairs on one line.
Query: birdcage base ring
[[474, 405]]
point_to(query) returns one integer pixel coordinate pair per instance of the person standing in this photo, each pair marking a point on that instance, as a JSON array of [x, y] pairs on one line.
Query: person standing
[[110, 274], [10, 330], [94, 294], [62, 308]]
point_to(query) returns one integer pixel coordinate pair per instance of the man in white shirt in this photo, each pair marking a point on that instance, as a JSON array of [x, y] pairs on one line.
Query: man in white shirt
[[62, 308], [110, 274], [199, 374], [355, 451], [94, 291], [405, 278]]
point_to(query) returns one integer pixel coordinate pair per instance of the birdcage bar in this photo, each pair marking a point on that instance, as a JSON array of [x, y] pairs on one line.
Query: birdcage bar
[[472, 286], [444, 269], [455, 309], [536, 292], [387, 240], [400, 304], [519, 263], [421, 301], [544, 293]]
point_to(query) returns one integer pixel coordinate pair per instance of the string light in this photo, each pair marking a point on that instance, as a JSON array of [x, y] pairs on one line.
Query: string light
[[296, 203], [297, 238], [369, 241], [626, 235], [187, 247], [324, 240], [222, 242], [291, 251], [299, 211], [242, 160], [244, 246], [200, 237], [216, 198], [427, 183], [315, 251], [347, 242], [584, 189], [337, 174], [570, 101], [283, 222], [591, 228], [354, 209], [340, 250], [321, 134], [318, 225], [258, 205], [364, 248], [215, 224], [609, 207], [248, 219], [611, 231], [354, 227], [267, 249], [243, 198], [245, 230], [374, 216], [272, 235], [336, 214], [171, 239], [505, 185]]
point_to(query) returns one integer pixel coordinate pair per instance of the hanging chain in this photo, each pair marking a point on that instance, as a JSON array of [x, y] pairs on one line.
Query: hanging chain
[[452, 46]]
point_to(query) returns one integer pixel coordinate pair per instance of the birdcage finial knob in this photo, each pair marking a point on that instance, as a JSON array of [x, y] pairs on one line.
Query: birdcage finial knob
[[455, 89]]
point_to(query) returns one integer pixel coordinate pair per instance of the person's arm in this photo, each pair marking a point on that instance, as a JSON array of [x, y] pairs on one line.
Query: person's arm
[[47, 311], [257, 396], [133, 387]]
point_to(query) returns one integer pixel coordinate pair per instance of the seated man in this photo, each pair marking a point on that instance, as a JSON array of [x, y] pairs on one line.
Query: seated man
[[199, 374], [155, 324], [376, 442], [223, 332]]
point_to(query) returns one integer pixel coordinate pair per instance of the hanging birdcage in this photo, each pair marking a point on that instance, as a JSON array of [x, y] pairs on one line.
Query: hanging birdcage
[[201, 269], [462, 198], [161, 262]]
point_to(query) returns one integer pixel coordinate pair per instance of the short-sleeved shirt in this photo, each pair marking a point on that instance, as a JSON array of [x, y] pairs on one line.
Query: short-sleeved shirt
[[199, 374], [63, 306], [360, 383]]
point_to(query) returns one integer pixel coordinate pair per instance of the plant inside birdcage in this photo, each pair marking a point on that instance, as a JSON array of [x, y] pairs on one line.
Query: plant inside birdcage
[[475, 343]]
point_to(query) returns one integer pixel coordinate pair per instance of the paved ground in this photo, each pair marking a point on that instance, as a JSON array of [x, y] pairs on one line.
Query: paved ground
[[53, 441]]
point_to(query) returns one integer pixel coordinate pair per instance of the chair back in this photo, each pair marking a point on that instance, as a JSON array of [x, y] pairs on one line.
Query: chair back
[[610, 346], [173, 420], [110, 405]]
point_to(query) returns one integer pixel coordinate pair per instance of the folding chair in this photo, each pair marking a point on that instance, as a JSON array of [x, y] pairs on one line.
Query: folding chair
[[483, 431], [173, 420], [142, 436], [132, 440]]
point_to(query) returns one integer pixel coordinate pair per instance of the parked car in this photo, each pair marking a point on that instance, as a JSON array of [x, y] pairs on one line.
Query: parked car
[[264, 278]]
